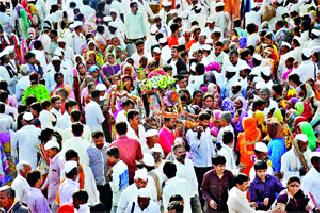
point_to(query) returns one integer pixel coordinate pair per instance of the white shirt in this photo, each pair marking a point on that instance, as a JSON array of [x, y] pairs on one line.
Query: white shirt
[[56, 112], [21, 188], [187, 172], [120, 180], [135, 26], [41, 58], [152, 207], [306, 70], [6, 123], [227, 152], [90, 186], [172, 187], [64, 121], [25, 144], [141, 138], [22, 85], [67, 133], [128, 195], [121, 117], [49, 77], [79, 145], [46, 42], [238, 203], [46, 118], [76, 42], [94, 116], [310, 184], [66, 189]]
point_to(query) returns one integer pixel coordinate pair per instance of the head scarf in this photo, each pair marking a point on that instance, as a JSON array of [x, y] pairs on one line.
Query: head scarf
[[243, 101], [278, 115], [251, 131], [306, 128], [274, 128], [299, 108], [260, 119], [227, 105], [298, 120]]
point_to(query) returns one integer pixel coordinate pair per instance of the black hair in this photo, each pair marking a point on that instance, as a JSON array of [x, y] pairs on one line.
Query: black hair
[[295, 79], [95, 93], [36, 106], [33, 177], [97, 134], [77, 129], [45, 104], [240, 179], [57, 74], [175, 197], [227, 137], [121, 128], [72, 173], [81, 195], [174, 27], [55, 98], [204, 116], [260, 165], [127, 103], [37, 44], [29, 55], [293, 179], [76, 115], [219, 160], [2, 107], [132, 114], [175, 205], [169, 169], [3, 96], [139, 42], [30, 100], [100, 29], [277, 88], [70, 103], [71, 154], [114, 151]]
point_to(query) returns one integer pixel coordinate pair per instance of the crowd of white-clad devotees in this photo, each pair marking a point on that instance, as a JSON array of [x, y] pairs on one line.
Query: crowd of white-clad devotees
[[130, 106]]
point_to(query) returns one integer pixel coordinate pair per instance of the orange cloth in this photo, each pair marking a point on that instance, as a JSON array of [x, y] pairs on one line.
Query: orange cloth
[[246, 141], [233, 8], [189, 44]]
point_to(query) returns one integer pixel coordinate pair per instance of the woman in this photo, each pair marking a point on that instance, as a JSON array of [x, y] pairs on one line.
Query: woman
[[276, 145], [59, 79], [306, 129], [292, 199], [208, 101], [240, 106], [111, 67], [92, 52], [36, 89], [260, 119], [245, 143], [306, 93], [78, 78]]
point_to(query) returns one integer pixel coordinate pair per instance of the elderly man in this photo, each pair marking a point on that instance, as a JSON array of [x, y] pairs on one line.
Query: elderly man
[[143, 203], [8, 203], [296, 162], [20, 184], [152, 140]]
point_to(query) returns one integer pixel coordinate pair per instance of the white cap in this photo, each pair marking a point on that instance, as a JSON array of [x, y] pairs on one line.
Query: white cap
[[148, 160], [24, 69], [61, 40], [162, 40], [22, 164], [173, 11], [257, 80], [151, 133], [208, 41], [315, 32], [9, 49], [166, 3], [286, 44], [297, 39], [101, 87], [141, 174], [244, 66], [112, 9], [113, 24], [301, 137], [261, 147], [58, 52], [184, 14], [157, 50], [56, 58], [231, 69], [216, 30], [266, 71], [107, 19], [3, 53], [315, 154], [70, 165], [153, 30], [257, 56], [143, 193], [206, 47], [219, 4], [237, 83], [157, 148], [76, 24], [210, 20], [316, 49], [307, 52], [52, 144], [27, 116]]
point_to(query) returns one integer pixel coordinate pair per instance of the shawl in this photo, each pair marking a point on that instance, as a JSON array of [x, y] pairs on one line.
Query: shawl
[[306, 129], [251, 131]]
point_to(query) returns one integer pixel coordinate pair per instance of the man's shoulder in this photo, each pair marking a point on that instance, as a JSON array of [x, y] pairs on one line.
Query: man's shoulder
[[19, 207]]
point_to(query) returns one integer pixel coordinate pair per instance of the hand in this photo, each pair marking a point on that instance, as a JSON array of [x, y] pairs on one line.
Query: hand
[[213, 204], [38, 63], [266, 201], [253, 205]]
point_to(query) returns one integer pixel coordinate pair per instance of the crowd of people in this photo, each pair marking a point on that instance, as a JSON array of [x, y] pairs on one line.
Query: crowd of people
[[160, 106]]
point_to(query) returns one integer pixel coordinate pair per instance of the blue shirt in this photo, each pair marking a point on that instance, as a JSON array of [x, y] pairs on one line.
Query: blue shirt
[[276, 148], [259, 190]]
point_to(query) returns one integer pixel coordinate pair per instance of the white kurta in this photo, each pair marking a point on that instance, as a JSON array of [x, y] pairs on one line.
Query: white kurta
[[66, 189], [46, 118], [141, 138], [21, 188], [238, 203], [76, 42], [311, 185], [128, 195], [79, 145], [94, 116]]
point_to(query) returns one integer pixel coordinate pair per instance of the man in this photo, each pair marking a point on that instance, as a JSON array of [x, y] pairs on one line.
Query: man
[[264, 187], [93, 112], [166, 135], [68, 51], [215, 186], [76, 39], [185, 170], [130, 194], [237, 201], [57, 162], [119, 178], [20, 184], [140, 53], [152, 140], [36, 201], [130, 149], [136, 130], [56, 105], [38, 51], [310, 184], [176, 62], [296, 161], [97, 153], [77, 143], [135, 26], [123, 114], [69, 185], [307, 69], [64, 121], [24, 145], [201, 146], [264, 94], [143, 203], [261, 153], [172, 186], [8, 202]]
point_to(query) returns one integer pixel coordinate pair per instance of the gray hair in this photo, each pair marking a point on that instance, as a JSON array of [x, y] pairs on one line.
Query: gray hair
[[21, 166], [10, 191]]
